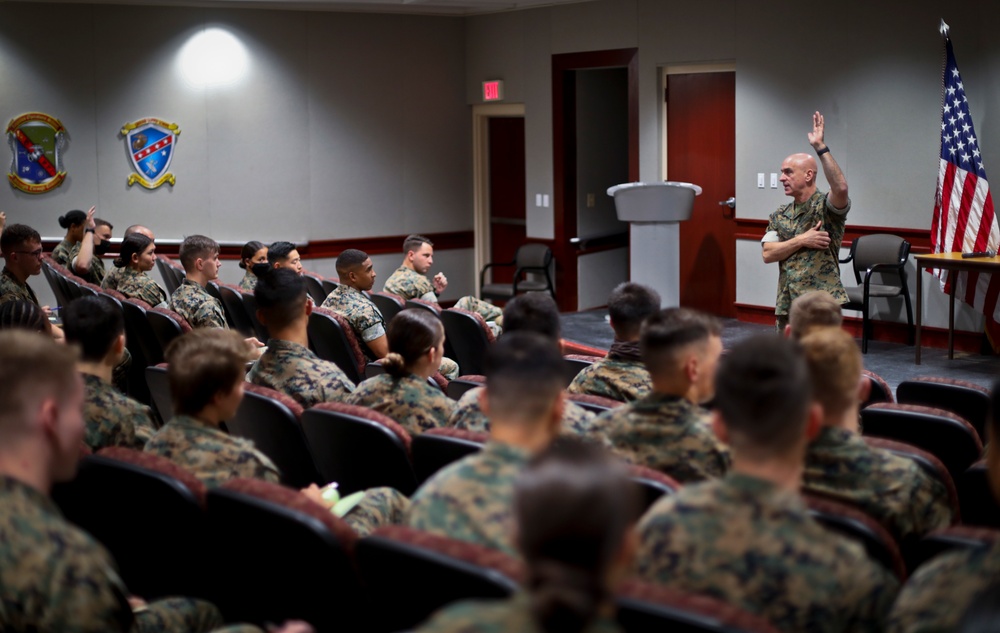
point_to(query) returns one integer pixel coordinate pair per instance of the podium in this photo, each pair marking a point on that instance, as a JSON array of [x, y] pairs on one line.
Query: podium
[[654, 211]]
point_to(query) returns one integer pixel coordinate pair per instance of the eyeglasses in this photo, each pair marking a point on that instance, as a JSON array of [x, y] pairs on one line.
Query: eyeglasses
[[37, 254]]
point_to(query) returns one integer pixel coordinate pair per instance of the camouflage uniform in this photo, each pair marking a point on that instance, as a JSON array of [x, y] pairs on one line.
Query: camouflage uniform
[[380, 506], [936, 596], [248, 283], [890, 488], [13, 290], [472, 499], [63, 253], [498, 616], [114, 419], [622, 380], [201, 309], [809, 268], [297, 372], [411, 401], [136, 284], [55, 577], [668, 433], [467, 415], [409, 284], [367, 322], [113, 278], [95, 274], [211, 455], [752, 544]]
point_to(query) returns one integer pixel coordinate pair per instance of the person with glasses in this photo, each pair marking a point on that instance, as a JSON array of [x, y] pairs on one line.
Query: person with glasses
[[21, 246]]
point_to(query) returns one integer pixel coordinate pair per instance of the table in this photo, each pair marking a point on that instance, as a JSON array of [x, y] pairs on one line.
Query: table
[[951, 262]]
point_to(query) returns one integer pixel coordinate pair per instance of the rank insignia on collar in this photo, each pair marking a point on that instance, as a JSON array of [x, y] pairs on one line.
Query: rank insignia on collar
[[36, 140], [150, 145]]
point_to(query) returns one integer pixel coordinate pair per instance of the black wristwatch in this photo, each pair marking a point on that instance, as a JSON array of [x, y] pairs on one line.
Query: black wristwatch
[[88, 230]]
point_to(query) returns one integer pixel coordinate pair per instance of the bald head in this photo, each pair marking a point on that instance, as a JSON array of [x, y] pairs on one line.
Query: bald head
[[142, 230], [798, 176]]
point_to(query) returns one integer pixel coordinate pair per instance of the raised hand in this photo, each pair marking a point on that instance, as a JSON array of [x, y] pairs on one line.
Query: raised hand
[[816, 136]]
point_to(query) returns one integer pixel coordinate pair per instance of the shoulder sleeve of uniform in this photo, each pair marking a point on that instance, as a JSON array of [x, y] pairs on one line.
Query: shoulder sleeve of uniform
[[834, 210]]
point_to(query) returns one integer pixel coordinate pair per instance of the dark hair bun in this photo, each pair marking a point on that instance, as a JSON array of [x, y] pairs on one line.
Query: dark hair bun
[[72, 218], [261, 269]]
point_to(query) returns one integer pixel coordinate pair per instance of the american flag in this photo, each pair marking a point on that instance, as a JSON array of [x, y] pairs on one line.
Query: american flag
[[963, 207]]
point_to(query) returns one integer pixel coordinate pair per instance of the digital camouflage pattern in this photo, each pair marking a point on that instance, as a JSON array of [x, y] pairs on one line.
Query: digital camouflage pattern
[[359, 310], [893, 489], [210, 454], [379, 507], [667, 433], [809, 268], [13, 290], [472, 499], [199, 308], [469, 416], [248, 283], [621, 380], [752, 544], [95, 274], [136, 284], [297, 372], [935, 597], [55, 577], [498, 616], [63, 253], [409, 284], [113, 278], [410, 400], [112, 418]]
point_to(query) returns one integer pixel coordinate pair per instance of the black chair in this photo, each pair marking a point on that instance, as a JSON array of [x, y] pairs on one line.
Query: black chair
[[159, 390], [887, 256], [280, 556], [457, 387], [594, 404], [271, 420], [979, 505], [330, 341], [423, 572], [436, 448], [530, 258], [329, 286], [880, 390], [250, 303], [967, 399], [142, 341], [855, 524], [420, 304], [956, 537], [469, 338], [151, 521], [55, 283], [167, 325], [653, 484], [236, 311], [941, 433], [171, 278], [646, 607], [387, 303], [358, 448], [314, 286]]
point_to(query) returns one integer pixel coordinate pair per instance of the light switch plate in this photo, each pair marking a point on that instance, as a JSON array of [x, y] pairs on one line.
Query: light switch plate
[[760, 180]]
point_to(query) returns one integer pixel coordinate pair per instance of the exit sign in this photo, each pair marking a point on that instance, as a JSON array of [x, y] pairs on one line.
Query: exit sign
[[493, 90]]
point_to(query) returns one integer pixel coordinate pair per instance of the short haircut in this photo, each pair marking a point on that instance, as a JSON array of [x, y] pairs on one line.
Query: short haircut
[[629, 305], [249, 250], [814, 309], [667, 332], [532, 312], [203, 363], [75, 217], [278, 251], [411, 333], [574, 505], [280, 294], [763, 394], [17, 235], [835, 368], [94, 324], [196, 247], [24, 315], [348, 260], [33, 367], [135, 228], [414, 242], [133, 244], [524, 375], [100, 222]]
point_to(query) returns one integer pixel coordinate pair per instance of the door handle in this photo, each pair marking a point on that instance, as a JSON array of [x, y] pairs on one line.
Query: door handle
[[731, 203]]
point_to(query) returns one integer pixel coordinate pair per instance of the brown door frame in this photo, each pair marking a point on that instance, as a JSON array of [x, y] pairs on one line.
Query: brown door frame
[[564, 155]]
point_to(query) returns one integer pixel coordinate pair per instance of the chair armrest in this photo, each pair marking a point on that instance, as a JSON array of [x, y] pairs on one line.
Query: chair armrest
[[482, 273]]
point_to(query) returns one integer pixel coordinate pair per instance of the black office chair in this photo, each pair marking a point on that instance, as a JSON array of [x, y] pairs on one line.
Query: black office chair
[[530, 258], [879, 253]]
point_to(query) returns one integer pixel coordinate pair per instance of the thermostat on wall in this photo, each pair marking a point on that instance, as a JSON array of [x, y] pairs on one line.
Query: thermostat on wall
[[493, 90]]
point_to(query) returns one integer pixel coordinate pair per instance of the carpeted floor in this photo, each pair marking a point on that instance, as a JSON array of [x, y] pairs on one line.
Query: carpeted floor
[[892, 361]]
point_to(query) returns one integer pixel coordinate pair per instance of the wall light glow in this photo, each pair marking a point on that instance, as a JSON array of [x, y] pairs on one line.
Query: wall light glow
[[213, 57]]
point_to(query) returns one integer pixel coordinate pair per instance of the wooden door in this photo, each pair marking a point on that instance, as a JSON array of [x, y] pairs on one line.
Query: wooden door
[[701, 149], [507, 194]]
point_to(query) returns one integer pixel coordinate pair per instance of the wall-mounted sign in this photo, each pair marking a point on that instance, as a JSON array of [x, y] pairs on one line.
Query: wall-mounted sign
[[36, 140], [493, 90], [150, 144]]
